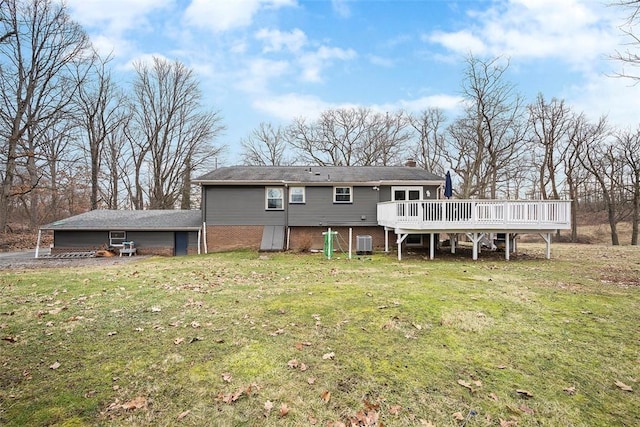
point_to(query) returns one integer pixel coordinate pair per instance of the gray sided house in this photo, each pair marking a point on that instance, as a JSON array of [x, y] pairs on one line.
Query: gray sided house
[[157, 232], [289, 207]]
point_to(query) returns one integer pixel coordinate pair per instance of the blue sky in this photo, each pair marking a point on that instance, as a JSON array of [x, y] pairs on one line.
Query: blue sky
[[273, 60]]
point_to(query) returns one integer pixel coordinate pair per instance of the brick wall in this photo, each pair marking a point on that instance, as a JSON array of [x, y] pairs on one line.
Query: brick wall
[[229, 237], [225, 238], [305, 238]]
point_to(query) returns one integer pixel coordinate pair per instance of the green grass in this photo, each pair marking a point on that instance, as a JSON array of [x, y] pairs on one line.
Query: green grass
[[413, 342]]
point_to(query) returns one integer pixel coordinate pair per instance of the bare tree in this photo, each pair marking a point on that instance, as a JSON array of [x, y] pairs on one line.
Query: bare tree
[[599, 157], [350, 137], [629, 143], [428, 150], [266, 146], [100, 113], [41, 47], [487, 141], [629, 56], [176, 134], [549, 124]]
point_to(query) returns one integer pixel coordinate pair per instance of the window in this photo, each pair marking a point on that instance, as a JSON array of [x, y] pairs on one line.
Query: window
[[274, 198], [414, 240], [342, 194], [406, 193], [296, 195], [117, 238]]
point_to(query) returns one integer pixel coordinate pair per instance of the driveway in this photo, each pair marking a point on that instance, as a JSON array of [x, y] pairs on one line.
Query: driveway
[[26, 260]]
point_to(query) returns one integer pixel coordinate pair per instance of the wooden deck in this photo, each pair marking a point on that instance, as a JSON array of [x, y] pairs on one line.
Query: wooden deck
[[475, 218]]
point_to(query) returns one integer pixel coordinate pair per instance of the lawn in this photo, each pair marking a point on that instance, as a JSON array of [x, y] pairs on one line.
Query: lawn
[[249, 339]]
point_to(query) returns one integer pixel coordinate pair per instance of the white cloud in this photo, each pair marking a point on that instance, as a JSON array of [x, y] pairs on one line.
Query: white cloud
[[115, 16], [602, 95], [313, 63], [459, 41], [276, 40], [259, 72], [292, 105], [577, 32], [341, 8], [225, 15]]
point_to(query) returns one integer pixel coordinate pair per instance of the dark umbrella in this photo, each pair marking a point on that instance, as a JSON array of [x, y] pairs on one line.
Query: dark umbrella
[[448, 186]]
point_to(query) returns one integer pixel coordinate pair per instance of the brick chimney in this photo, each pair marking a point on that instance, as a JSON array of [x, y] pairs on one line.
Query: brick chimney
[[410, 163]]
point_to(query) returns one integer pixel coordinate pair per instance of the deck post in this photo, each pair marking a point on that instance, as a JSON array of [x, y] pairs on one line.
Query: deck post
[[431, 248], [547, 238], [452, 242], [401, 238], [386, 240], [507, 248]]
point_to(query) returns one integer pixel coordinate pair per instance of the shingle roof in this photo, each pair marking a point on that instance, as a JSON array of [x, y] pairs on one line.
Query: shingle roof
[[162, 220], [318, 174]]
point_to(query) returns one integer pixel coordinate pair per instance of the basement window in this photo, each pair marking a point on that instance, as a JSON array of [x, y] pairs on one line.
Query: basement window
[[117, 238]]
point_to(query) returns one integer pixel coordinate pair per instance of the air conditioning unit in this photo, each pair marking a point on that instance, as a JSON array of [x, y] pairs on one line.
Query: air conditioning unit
[[364, 245]]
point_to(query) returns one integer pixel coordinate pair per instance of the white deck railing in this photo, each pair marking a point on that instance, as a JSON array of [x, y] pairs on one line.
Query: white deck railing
[[476, 214]]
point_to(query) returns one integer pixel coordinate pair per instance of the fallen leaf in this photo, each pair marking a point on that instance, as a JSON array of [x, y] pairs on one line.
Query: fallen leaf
[[570, 390], [493, 396], [465, 384], [156, 309], [226, 377], [135, 403], [524, 393], [268, 406], [506, 423], [394, 409], [623, 386], [458, 416], [293, 363], [303, 367], [195, 339], [195, 324], [524, 408], [10, 339], [284, 410], [312, 420], [326, 395], [112, 333], [426, 423], [178, 341], [328, 356], [277, 332], [55, 365], [184, 414], [311, 380]]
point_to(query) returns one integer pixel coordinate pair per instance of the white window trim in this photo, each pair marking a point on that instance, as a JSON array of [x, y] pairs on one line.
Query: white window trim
[[343, 201], [266, 198], [406, 190], [121, 240], [304, 195]]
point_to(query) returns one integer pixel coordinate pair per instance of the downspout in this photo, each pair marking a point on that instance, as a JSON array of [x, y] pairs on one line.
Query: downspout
[[203, 209], [286, 213]]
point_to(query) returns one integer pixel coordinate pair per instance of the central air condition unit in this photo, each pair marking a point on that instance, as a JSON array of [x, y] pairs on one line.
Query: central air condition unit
[[364, 245]]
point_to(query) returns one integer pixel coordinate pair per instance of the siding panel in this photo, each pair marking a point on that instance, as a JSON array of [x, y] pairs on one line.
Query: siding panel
[[319, 208], [239, 205]]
